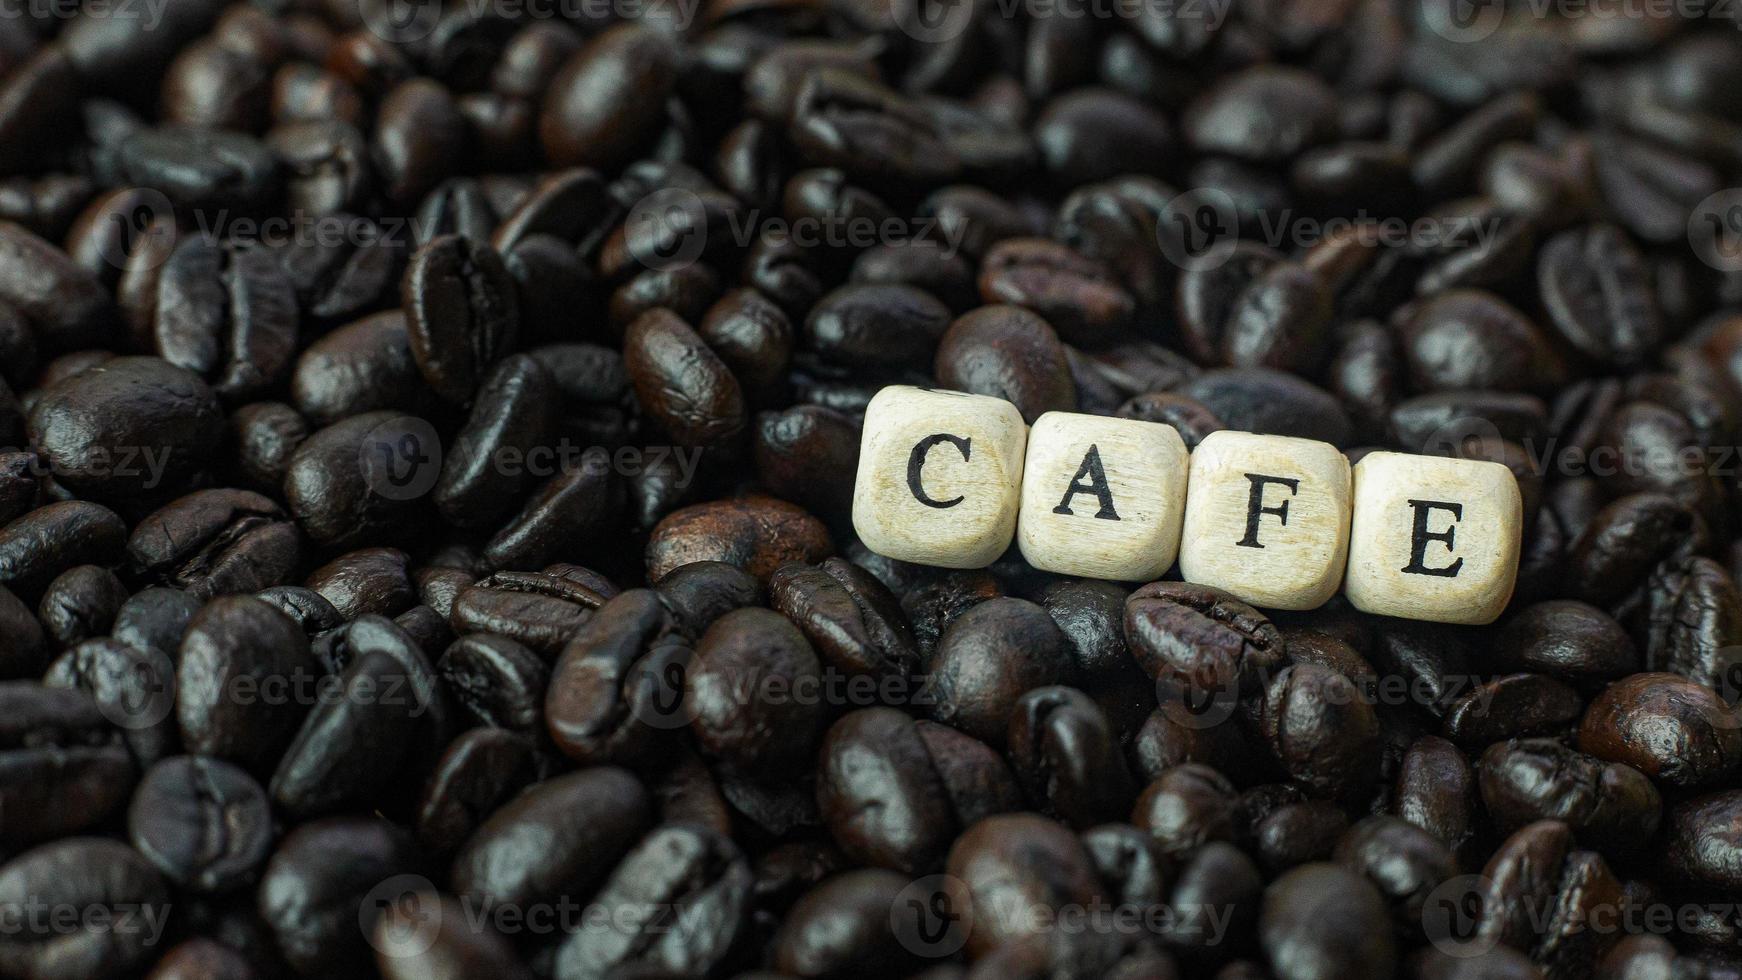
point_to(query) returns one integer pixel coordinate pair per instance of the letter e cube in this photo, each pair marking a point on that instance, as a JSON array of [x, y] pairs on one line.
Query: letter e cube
[[1434, 538]]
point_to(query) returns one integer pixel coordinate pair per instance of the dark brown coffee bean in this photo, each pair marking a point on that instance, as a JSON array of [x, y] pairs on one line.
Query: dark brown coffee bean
[[204, 823], [86, 874], [1666, 727], [461, 313], [217, 542]]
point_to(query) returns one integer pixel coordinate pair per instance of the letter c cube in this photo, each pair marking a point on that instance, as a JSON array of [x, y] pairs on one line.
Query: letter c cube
[[940, 476]]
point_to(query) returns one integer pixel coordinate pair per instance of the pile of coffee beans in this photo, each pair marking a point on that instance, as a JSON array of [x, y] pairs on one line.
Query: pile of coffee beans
[[429, 438]]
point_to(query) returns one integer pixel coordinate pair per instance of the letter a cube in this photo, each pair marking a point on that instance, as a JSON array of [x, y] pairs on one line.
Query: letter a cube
[[940, 476], [1267, 518], [1434, 538], [1102, 497]]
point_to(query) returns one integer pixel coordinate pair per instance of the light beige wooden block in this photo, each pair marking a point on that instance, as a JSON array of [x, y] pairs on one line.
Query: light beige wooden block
[[1434, 538], [1267, 518], [940, 476], [1102, 497]]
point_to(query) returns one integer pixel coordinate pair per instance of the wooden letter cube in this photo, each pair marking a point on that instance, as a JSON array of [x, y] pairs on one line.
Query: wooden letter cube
[[1267, 518], [940, 476], [1433, 538], [1102, 497]]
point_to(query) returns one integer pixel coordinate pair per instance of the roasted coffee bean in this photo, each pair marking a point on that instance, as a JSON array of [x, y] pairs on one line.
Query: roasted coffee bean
[[843, 926], [1567, 638], [1323, 920], [753, 728], [1666, 727], [360, 367], [204, 823], [539, 609], [1187, 807], [1067, 757], [155, 618], [678, 870], [989, 865], [1009, 353], [608, 100], [88, 874], [480, 770], [580, 825], [1200, 640], [461, 313], [497, 682], [217, 542], [306, 607], [987, 659], [353, 483], [227, 312], [690, 393], [81, 603], [316, 889], [756, 533], [365, 727], [369, 580], [242, 682], [419, 139], [1611, 806], [882, 326], [128, 427], [51, 539], [62, 769]]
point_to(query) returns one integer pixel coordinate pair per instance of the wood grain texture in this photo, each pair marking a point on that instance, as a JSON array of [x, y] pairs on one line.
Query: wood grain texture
[[1291, 554], [940, 476], [1102, 497], [1434, 539]]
